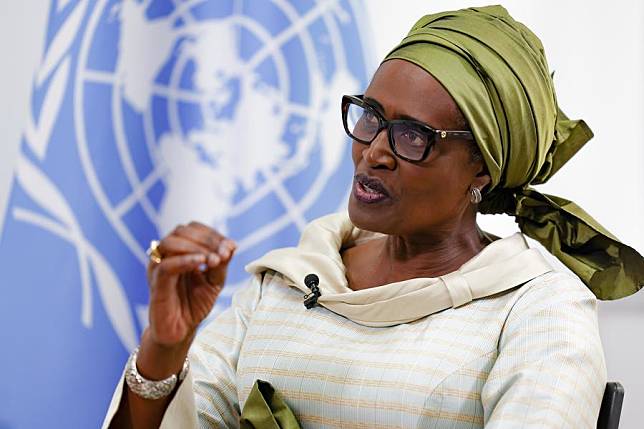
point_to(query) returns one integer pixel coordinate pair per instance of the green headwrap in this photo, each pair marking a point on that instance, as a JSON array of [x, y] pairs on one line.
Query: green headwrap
[[495, 69]]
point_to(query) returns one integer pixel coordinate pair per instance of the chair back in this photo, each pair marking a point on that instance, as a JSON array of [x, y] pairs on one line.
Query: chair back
[[611, 407]]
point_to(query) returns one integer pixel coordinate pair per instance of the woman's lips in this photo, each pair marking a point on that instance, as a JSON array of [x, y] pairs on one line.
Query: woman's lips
[[369, 189]]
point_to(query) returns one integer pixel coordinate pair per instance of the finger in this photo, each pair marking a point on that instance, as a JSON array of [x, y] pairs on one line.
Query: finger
[[208, 237], [175, 245], [226, 249], [224, 254], [200, 233], [213, 260], [175, 265], [216, 274]]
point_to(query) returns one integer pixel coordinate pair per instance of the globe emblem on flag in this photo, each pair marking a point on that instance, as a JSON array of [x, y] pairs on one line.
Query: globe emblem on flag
[[227, 116], [146, 114]]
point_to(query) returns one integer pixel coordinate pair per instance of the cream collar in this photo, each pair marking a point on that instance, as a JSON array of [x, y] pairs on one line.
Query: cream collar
[[502, 265]]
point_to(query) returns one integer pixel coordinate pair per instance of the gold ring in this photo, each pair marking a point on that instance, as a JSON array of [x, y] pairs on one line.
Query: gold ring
[[153, 251]]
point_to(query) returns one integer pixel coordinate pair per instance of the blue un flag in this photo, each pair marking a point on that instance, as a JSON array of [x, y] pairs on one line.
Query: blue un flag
[[144, 115]]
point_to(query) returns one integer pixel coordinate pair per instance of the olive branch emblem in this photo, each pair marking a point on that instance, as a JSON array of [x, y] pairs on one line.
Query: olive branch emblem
[[54, 76]]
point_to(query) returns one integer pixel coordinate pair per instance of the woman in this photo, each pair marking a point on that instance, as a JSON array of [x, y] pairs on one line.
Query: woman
[[413, 317]]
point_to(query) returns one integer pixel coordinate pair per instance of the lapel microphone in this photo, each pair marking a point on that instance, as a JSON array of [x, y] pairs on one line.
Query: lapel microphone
[[312, 281]]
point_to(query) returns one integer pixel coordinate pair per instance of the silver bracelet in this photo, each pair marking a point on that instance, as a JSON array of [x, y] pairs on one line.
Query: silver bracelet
[[149, 389]]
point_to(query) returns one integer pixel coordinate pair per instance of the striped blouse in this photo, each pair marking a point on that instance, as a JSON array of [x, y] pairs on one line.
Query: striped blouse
[[530, 357]]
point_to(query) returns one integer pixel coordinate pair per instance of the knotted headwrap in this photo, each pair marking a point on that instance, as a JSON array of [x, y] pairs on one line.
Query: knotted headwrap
[[495, 69]]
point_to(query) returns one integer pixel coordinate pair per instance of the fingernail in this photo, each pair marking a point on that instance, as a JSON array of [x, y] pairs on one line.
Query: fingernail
[[214, 259], [202, 267], [224, 250]]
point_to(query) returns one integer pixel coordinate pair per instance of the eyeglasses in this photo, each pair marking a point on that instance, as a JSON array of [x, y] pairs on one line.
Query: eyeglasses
[[409, 140]]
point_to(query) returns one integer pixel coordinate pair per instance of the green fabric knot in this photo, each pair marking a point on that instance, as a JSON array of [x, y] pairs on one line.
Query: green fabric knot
[[499, 201], [609, 268]]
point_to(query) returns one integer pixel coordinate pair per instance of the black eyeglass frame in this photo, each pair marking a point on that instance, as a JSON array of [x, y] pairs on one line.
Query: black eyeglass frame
[[383, 123]]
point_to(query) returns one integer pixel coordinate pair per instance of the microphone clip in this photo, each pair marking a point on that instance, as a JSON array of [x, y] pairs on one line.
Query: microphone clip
[[312, 281]]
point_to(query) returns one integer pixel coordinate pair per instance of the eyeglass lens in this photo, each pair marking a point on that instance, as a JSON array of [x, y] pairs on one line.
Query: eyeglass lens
[[409, 140], [363, 124]]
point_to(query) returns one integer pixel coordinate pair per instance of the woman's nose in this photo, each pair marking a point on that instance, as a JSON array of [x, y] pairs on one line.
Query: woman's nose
[[379, 154]]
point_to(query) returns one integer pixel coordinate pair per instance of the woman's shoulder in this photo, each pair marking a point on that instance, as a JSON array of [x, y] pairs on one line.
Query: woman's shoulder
[[557, 298], [556, 295], [556, 285]]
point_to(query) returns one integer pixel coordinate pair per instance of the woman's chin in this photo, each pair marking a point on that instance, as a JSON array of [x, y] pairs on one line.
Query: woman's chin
[[368, 217]]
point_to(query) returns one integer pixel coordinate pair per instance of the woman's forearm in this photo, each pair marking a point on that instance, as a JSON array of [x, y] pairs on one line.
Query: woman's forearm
[[154, 362]]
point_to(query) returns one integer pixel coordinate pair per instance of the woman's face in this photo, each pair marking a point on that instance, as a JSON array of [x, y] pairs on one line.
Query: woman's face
[[424, 198]]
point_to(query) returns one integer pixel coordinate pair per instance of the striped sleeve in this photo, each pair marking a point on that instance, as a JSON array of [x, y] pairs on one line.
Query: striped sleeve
[[213, 359], [207, 398], [550, 370]]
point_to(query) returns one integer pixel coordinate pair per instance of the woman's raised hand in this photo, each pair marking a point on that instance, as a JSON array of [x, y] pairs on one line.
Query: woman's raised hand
[[185, 284]]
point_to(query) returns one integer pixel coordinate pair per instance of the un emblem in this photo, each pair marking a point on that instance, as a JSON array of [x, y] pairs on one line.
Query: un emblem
[[147, 114], [150, 114]]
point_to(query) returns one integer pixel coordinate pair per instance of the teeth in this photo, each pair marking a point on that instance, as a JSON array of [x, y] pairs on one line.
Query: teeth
[[373, 191]]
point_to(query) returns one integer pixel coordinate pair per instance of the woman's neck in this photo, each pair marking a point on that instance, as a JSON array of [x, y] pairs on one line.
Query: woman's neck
[[396, 258], [430, 255]]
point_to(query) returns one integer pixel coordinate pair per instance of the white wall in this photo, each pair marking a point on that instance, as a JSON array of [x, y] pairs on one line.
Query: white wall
[[597, 50]]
